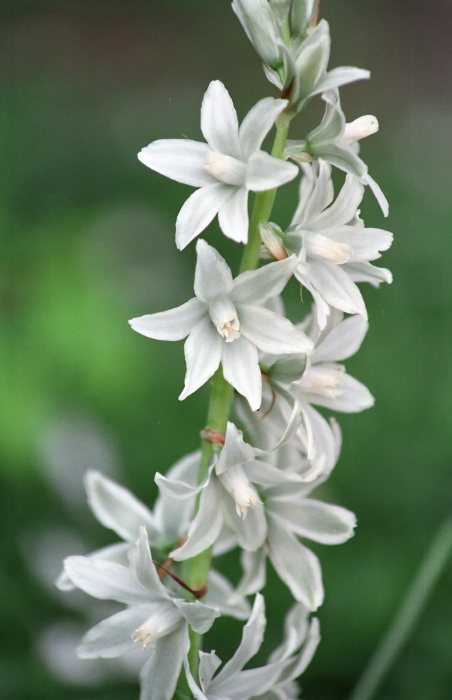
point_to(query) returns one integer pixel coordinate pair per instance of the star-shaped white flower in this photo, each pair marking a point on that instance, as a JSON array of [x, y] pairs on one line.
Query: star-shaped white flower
[[153, 617], [287, 662], [225, 168], [226, 322]]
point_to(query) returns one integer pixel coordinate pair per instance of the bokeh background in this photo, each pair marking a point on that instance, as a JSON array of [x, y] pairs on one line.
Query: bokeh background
[[88, 242]]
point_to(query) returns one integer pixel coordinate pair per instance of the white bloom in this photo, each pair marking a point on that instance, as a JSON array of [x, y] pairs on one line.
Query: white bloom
[[290, 514], [225, 168], [335, 141], [226, 322], [333, 246], [286, 663], [153, 618], [118, 509]]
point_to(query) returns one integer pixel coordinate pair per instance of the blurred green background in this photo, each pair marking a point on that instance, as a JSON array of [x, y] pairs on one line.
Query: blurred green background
[[88, 242]]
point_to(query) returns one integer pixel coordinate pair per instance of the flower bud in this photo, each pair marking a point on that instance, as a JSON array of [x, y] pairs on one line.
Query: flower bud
[[360, 128]]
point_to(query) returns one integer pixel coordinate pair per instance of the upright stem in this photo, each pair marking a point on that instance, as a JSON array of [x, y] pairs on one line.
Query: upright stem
[[390, 646], [197, 569]]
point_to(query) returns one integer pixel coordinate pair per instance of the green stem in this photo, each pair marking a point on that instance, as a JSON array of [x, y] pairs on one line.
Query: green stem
[[196, 571], [263, 205], [396, 636]]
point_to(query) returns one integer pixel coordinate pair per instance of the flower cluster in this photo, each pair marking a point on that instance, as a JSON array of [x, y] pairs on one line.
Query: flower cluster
[[248, 494]]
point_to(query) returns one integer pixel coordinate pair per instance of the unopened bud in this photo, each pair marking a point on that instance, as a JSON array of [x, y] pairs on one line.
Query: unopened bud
[[360, 128]]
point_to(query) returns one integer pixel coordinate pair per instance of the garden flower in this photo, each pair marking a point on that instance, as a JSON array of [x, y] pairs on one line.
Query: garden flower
[[286, 663], [153, 617], [225, 168], [226, 322]]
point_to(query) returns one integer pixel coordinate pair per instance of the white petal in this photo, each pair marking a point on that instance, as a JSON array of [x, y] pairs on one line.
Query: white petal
[[113, 636], [366, 272], [317, 521], [258, 123], [340, 76], [272, 333], [241, 369], [219, 123], [252, 636], [257, 286], [205, 527], [315, 194], [343, 341], [336, 287], [235, 451], [199, 210], [208, 664], [213, 277], [173, 324], [233, 216], [264, 172], [221, 594], [297, 566], [343, 208], [143, 568], [117, 508], [105, 580], [254, 572], [202, 350], [158, 677], [200, 617], [354, 397], [179, 159], [379, 196]]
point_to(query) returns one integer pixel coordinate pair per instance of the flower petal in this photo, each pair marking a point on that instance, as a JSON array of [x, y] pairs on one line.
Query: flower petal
[[206, 525], [199, 210], [160, 673], [257, 286], [257, 123], [317, 521], [272, 333], [213, 276], [233, 216], [336, 287], [342, 75], [297, 566], [264, 172], [202, 350], [219, 123], [221, 594], [252, 636], [179, 159], [105, 580], [117, 508], [241, 369], [343, 341], [173, 324], [143, 568], [113, 636]]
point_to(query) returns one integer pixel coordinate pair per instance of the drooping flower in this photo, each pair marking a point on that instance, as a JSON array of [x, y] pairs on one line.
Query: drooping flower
[[225, 169], [226, 322], [287, 662], [153, 617]]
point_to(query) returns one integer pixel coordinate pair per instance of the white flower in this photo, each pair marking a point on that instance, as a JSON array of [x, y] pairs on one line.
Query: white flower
[[333, 246], [261, 26], [225, 168], [290, 514], [153, 617], [225, 322], [286, 663], [118, 509], [336, 141]]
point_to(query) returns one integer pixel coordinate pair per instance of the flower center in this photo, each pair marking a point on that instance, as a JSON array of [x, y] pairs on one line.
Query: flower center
[[224, 316], [145, 634], [318, 246], [324, 381], [236, 482], [225, 168]]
